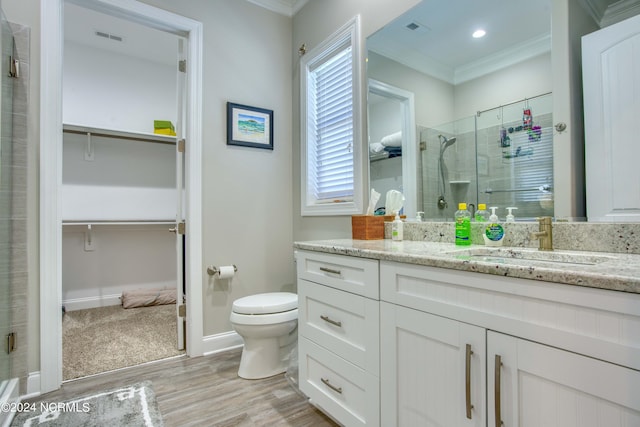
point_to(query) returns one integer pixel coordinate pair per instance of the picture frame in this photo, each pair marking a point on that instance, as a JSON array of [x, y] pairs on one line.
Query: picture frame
[[249, 126]]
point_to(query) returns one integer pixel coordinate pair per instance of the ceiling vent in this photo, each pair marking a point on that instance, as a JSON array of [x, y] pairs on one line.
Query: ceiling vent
[[109, 36], [417, 27]]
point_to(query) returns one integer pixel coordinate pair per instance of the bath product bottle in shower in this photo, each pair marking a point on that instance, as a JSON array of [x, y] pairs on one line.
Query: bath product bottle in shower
[[463, 225], [396, 229], [481, 214], [494, 232]]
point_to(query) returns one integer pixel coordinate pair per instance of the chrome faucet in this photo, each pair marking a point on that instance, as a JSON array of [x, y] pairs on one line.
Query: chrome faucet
[[544, 235]]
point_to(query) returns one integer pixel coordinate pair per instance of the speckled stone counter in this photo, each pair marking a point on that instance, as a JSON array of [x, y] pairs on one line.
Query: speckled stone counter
[[611, 271]]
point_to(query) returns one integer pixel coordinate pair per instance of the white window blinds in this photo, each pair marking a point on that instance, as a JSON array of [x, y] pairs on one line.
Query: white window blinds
[[332, 174], [330, 128]]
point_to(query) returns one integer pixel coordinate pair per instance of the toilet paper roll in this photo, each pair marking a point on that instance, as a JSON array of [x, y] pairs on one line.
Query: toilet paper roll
[[226, 271]]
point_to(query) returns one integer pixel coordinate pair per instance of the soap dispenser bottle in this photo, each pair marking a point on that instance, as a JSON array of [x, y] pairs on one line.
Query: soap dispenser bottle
[[494, 232], [463, 225], [481, 214], [510, 217], [397, 229]]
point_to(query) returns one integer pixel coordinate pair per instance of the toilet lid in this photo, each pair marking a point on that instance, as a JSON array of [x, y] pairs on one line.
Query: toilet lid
[[271, 302]]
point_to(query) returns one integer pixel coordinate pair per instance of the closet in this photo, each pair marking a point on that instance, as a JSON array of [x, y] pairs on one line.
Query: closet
[[119, 197]]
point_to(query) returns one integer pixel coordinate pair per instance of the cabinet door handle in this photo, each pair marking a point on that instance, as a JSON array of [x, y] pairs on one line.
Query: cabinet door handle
[[331, 386], [333, 322], [330, 270], [468, 380], [496, 390]]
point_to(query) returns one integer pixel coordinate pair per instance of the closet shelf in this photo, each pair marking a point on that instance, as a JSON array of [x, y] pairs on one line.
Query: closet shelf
[[117, 222], [110, 133]]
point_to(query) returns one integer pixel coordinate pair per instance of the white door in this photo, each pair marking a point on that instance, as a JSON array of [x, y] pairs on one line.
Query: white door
[[180, 214], [532, 385], [611, 85], [432, 370]]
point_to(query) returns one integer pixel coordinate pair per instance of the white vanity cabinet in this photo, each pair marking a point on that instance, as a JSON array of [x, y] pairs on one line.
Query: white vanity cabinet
[[531, 384], [338, 338], [556, 355], [432, 369]]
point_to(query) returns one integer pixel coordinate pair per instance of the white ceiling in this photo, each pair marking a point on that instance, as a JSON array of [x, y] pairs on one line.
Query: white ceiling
[[442, 46], [81, 24], [516, 29]]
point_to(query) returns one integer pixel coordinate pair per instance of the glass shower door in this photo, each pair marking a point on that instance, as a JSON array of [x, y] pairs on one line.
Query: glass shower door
[[6, 133]]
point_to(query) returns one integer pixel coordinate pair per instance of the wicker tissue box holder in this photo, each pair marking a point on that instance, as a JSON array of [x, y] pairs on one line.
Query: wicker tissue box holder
[[367, 227]]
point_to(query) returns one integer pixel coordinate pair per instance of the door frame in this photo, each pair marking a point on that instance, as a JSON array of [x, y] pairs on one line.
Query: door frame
[[410, 152], [50, 167]]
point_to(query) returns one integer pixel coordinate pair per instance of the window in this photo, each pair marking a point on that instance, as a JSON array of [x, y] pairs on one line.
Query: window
[[332, 179]]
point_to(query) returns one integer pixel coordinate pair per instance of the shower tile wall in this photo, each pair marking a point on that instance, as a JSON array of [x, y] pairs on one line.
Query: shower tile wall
[[17, 270]]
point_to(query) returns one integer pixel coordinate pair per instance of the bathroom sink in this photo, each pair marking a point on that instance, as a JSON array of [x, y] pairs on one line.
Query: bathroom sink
[[510, 255]]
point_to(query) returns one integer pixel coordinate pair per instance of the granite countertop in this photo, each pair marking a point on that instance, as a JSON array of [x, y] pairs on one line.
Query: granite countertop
[[611, 271]]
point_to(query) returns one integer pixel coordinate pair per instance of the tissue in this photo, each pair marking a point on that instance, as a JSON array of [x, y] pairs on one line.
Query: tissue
[[373, 201], [394, 202]]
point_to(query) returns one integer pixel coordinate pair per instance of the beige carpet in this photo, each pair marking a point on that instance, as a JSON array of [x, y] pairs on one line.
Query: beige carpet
[[106, 338]]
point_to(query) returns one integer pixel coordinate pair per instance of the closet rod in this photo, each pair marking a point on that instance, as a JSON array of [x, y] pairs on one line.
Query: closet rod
[[160, 139], [513, 102]]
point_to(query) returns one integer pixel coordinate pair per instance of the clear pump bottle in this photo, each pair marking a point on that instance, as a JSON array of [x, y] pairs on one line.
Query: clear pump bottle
[[481, 214]]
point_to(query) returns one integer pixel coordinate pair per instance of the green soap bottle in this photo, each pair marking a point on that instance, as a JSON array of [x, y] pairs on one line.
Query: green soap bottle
[[463, 225]]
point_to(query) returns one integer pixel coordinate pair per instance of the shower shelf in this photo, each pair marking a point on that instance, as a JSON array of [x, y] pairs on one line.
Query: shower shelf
[[110, 133], [459, 182]]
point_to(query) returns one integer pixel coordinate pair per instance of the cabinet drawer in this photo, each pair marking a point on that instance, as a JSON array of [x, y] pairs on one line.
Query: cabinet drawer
[[344, 391], [342, 322], [351, 274]]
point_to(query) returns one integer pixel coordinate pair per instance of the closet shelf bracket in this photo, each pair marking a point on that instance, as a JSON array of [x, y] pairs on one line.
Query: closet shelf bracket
[[89, 244], [88, 152]]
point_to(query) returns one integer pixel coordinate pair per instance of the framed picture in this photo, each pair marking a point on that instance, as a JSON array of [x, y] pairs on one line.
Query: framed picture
[[249, 126]]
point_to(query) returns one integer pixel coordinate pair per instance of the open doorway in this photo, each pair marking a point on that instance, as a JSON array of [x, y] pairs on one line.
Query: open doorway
[[120, 193], [51, 175]]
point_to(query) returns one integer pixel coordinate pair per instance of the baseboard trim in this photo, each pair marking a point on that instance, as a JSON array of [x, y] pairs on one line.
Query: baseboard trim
[[33, 385], [91, 302], [212, 344]]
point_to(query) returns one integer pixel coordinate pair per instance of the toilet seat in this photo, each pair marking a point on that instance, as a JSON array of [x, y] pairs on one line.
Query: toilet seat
[[267, 303], [264, 319]]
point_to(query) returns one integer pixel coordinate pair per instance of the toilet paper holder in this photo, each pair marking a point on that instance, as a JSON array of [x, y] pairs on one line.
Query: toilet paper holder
[[213, 270]]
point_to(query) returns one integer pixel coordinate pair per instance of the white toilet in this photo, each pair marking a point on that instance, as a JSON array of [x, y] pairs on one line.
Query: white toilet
[[268, 324]]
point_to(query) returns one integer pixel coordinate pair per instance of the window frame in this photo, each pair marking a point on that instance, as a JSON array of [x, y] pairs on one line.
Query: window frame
[[347, 34]]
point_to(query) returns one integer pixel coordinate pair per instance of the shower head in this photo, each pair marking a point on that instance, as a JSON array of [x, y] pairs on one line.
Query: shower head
[[446, 142]]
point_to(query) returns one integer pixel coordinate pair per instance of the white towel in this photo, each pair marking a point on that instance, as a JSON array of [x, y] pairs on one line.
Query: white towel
[[393, 140], [376, 147]]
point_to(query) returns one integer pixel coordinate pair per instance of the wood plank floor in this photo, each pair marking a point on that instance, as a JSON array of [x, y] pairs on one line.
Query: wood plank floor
[[206, 391]]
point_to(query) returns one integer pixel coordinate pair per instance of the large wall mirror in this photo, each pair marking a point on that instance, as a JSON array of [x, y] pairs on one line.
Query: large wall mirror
[[453, 118]]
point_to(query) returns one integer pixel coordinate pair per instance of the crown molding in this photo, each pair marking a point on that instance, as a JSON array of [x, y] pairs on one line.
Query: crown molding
[[283, 7], [607, 12]]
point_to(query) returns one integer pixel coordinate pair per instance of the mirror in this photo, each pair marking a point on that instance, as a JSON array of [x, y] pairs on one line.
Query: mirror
[[482, 107]]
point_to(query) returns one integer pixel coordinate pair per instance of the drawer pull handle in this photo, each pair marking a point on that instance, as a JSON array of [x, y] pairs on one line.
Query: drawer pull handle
[[331, 386], [330, 270], [333, 322], [468, 381], [496, 390]]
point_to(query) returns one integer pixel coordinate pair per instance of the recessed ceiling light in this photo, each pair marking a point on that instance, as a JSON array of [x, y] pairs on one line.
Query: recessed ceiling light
[[479, 33]]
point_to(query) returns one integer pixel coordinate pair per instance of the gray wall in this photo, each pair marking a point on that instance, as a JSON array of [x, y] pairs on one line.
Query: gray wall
[[247, 202]]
